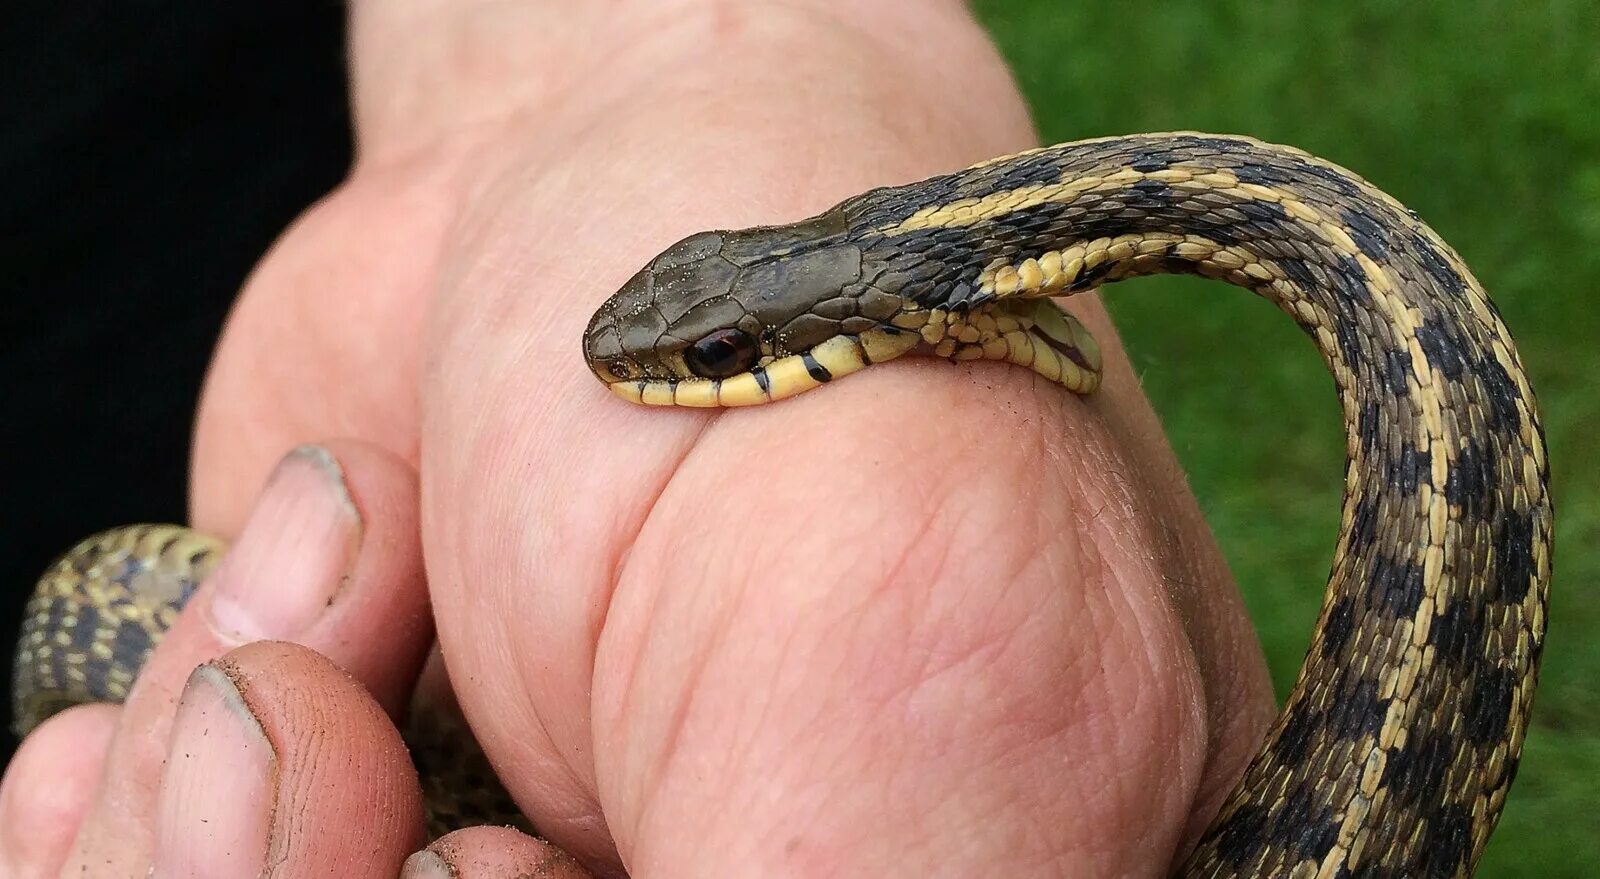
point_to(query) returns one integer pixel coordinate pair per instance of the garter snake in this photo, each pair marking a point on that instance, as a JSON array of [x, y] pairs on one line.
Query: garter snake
[[1400, 739], [1395, 749]]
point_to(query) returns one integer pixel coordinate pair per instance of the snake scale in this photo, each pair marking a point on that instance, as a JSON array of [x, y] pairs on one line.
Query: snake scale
[[1397, 745]]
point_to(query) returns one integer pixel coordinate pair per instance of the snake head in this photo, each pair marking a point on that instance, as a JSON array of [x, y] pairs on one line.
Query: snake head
[[743, 317]]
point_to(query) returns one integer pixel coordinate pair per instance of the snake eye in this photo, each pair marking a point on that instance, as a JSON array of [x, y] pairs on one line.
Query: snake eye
[[722, 354]]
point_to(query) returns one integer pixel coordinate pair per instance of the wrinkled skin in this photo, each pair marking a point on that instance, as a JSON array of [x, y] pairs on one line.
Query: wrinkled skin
[[813, 638]]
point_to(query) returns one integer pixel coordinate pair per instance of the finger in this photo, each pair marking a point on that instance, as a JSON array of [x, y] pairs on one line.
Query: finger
[[49, 787], [491, 853], [281, 764], [329, 559]]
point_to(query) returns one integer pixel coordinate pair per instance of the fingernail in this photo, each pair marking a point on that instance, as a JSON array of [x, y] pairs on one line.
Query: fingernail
[[214, 810], [426, 865], [293, 556]]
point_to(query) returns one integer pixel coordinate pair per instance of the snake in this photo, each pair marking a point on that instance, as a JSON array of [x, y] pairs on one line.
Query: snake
[[1399, 741]]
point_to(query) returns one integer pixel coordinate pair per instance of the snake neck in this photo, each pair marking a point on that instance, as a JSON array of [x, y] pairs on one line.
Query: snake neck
[[1402, 734]]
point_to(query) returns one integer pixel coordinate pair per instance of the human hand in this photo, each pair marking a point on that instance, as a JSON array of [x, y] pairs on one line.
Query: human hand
[[931, 620], [273, 748], [270, 759]]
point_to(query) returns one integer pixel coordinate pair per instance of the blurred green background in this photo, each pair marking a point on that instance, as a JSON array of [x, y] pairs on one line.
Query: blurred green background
[[1482, 116]]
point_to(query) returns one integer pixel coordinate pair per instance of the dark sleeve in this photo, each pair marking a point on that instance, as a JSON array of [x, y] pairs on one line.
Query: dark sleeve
[[149, 153]]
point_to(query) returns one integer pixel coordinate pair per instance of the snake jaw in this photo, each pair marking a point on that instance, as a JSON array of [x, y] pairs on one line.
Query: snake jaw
[[778, 379]]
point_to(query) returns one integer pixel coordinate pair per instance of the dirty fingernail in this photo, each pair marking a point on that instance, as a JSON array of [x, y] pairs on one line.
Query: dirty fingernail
[[294, 554], [426, 865], [214, 810]]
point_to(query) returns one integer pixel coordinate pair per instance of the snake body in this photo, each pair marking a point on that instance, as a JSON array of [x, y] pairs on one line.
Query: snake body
[[1397, 745]]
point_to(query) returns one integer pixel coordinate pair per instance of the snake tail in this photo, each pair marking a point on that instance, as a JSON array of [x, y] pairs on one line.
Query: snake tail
[[98, 612]]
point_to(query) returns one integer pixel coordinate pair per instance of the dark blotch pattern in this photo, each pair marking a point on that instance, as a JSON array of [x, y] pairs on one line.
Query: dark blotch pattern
[[1298, 826], [1369, 426], [1442, 347], [1446, 842], [1517, 567], [1363, 527], [1308, 831], [1471, 482], [1219, 145], [1222, 233], [1337, 630], [1351, 280], [1037, 169], [1294, 742], [1160, 193], [1242, 836], [1410, 469], [133, 644], [1436, 267], [1368, 234], [1417, 770], [127, 569], [1398, 586], [54, 616], [1490, 706], [1397, 369], [1358, 711], [1454, 633], [1154, 160], [1298, 272], [1331, 180], [83, 634], [1260, 174], [1502, 392], [1263, 212], [1351, 351]]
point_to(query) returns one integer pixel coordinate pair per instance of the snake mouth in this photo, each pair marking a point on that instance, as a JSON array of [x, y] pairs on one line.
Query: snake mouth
[[778, 379]]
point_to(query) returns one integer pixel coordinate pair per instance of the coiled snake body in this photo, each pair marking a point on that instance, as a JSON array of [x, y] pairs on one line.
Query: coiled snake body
[[1397, 745]]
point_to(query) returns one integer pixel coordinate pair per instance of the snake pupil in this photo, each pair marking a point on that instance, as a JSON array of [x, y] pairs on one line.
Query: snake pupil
[[722, 353]]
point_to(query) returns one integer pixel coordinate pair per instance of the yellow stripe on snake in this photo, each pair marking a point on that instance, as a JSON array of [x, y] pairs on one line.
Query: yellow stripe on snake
[[1398, 743]]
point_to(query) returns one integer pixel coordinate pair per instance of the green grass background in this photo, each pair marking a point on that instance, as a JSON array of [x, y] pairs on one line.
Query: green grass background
[[1482, 116]]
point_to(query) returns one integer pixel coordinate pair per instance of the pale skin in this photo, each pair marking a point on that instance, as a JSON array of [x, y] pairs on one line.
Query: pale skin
[[931, 620]]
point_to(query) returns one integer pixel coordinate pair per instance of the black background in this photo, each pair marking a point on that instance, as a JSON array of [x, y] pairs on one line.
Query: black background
[[149, 154]]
